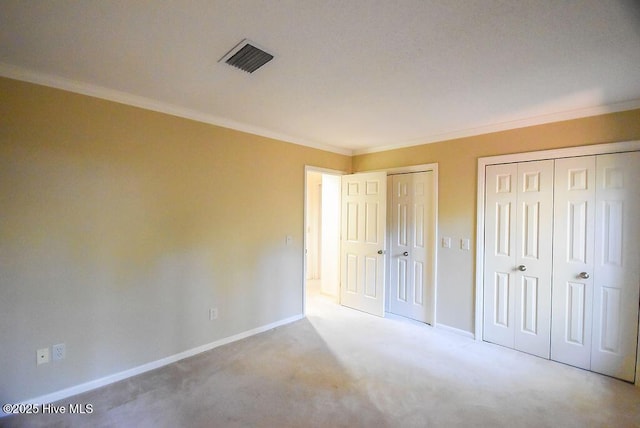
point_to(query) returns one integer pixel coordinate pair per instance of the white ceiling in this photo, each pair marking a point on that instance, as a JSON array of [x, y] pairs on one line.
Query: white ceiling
[[349, 75]]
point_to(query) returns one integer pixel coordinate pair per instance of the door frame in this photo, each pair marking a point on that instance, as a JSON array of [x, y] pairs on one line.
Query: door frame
[[307, 170], [433, 167], [589, 150], [390, 171]]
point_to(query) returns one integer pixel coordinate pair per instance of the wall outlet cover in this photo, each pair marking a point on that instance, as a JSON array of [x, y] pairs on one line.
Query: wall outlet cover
[[42, 356]]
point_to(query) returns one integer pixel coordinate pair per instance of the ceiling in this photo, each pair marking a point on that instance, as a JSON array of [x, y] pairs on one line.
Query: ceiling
[[349, 76]]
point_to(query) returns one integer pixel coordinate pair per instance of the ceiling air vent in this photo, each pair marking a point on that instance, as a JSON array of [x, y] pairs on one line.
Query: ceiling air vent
[[247, 57]]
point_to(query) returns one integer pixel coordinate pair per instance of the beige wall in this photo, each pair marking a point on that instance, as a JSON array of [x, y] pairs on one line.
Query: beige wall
[[121, 227], [457, 161]]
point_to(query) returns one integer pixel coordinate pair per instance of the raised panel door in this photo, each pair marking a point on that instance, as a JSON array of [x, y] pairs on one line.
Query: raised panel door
[[363, 242], [573, 257], [533, 248], [519, 206], [411, 291], [616, 277], [500, 254]]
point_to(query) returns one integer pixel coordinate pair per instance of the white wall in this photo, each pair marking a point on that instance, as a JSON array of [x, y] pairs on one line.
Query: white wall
[[330, 270]]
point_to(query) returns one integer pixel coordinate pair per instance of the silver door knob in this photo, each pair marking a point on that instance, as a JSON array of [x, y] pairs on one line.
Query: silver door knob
[[406, 253], [380, 251], [584, 275], [522, 268]]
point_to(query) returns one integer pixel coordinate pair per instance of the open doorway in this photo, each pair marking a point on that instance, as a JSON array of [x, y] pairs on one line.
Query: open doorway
[[322, 233], [323, 207]]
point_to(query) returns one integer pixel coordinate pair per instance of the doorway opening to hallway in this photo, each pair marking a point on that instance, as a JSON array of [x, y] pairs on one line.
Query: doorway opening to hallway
[[370, 240]]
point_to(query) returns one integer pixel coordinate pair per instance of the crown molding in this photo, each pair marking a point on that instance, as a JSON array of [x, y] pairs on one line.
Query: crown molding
[[506, 126], [27, 75]]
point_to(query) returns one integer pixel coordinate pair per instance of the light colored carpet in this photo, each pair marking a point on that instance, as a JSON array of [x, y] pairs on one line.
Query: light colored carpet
[[342, 368]]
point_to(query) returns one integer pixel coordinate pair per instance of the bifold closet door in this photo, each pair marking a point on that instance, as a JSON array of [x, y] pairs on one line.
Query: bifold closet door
[[616, 278], [518, 238], [574, 219], [597, 263]]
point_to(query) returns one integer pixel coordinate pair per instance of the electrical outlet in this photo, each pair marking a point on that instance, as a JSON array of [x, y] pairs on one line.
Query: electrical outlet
[[59, 352], [213, 314], [42, 356]]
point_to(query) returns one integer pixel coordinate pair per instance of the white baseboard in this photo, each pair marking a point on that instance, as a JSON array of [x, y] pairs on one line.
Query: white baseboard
[[456, 330], [97, 383]]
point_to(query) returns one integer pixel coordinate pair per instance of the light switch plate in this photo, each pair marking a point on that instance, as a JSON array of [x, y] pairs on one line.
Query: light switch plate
[[465, 244], [446, 242]]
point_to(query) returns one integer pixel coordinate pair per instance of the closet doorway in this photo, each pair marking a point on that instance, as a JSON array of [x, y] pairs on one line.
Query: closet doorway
[[559, 255]]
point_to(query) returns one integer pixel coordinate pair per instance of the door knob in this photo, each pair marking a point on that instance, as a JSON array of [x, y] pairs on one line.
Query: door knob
[[522, 268], [380, 251], [584, 275], [406, 253]]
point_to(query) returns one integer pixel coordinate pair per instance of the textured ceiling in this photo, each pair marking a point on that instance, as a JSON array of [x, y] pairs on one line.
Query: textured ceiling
[[352, 76]]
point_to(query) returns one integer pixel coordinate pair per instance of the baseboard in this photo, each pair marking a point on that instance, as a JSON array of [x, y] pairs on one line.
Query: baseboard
[[97, 383], [456, 330]]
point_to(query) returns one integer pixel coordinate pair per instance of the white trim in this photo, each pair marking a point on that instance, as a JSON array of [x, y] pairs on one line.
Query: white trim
[[457, 331], [97, 383], [506, 126], [480, 208], [320, 170], [596, 149], [412, 168], [23, 74], [637, 382], [27, 75]]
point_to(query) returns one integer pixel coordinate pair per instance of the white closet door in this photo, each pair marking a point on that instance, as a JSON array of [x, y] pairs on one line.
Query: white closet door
[[411, 290], [574, 210], [517, 307], [562, 260], [500, 254], [534, 236], [616, 275]]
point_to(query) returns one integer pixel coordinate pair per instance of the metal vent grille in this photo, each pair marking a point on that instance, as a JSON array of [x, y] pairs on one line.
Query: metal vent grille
[[247, 57]]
